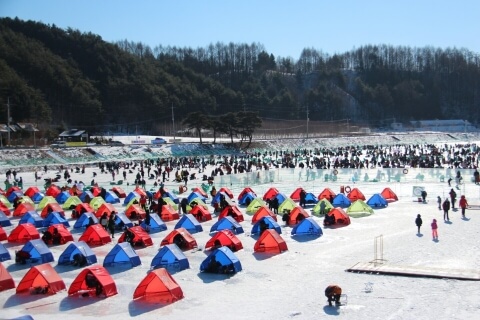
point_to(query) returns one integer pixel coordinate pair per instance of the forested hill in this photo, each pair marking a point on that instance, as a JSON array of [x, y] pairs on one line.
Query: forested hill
[[61, 78]]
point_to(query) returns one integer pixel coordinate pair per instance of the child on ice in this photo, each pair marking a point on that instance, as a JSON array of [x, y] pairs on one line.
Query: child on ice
[[434, 229]]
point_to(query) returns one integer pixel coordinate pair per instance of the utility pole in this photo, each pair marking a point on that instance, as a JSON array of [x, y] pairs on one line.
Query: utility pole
[[173, 122], [8, 120], [307, 122]]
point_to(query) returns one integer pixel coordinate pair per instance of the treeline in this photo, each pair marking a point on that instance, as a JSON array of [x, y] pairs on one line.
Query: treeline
[[60, 79]]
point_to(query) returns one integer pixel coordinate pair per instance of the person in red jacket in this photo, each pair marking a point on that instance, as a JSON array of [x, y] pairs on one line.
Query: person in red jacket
[[463, 204]]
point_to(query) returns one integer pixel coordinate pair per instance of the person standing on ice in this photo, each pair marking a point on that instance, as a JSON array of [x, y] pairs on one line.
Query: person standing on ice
[[463, 204], [439, 201], [434, 229], [418, 222], [446, 208]]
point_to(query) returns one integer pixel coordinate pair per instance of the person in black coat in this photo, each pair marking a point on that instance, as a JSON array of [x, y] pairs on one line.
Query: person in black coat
[[446, 208], [418, 222], [303, 195]]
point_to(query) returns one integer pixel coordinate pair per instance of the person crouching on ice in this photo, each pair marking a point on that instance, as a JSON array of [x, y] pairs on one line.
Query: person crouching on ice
[[333, 293]]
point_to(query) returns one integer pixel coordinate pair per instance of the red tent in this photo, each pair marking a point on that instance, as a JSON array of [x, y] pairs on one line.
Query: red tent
[[272, 192], [103, 280], [12, 189], [159, 286], [270, 241], [169, 213], [31, 191], [119, 192], [65, 235], [244, 191], [41, 277], [95, 235], [82, 208], [295, 196], [4, 209], [295, 213], [6, 280], [52, 207], [327, 193], [23, 208], [355, 194], [23, 233], [140, 192], [201, 213], [135, 211], [105, 208], [140, 237], [3, 234], [339, 215], [96, 191], [200, 191], [182, 238], [261, 212], [389, 195], [227, 191], [232, 211], [53, 191], [226, 238]]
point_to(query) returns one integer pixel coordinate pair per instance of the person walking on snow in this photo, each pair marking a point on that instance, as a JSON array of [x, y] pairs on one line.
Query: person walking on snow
[[439, 201], [434, 229], [463, 204], [446, 208], [418, 222], [453, 197]]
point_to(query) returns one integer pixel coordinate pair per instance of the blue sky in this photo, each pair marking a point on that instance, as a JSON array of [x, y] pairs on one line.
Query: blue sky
[[284, 27]]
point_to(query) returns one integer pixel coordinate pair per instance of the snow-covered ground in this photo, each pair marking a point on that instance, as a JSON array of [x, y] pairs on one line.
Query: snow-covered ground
[[291, 285]]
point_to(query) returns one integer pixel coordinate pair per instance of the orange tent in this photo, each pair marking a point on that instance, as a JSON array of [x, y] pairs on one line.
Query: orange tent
[[107, 208], [140, 192], [295, 213], [52, 207], [355, 194], [270, 241], [261, 212], [6, 280], [119, 192], [81, 284], [159, 286], [53, 191], [23, 208], [135, 211], [225, 238], [82, 208], [169, 213], [200, 191], [42, 276], [232, 211], [23, 233], [201, 213], [389, 195], [272, 192], [95, 235], [327, 193], [181, 237], [227, 191], [341, 217], [140, 237], [295, 196]]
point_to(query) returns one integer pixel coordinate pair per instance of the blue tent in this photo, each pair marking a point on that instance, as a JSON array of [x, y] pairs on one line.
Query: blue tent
[[122, 253], [189, 222], [171, 196], [171, 258], [377, 201], [227, 223], [4, 221], [86, 194], [37, 197], [247, 198], [122, 221], [62, 197], [227, 262], [83, 220], [130, 196], [156, 224], [14, 195], [281, 197], [32, 217], [195, 195], [77, 248], [311, 198], [308, 227], [55, 218], [4, 254], [218, 197], [111, 197], [271, 224], [38, 250], [341, 201]]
